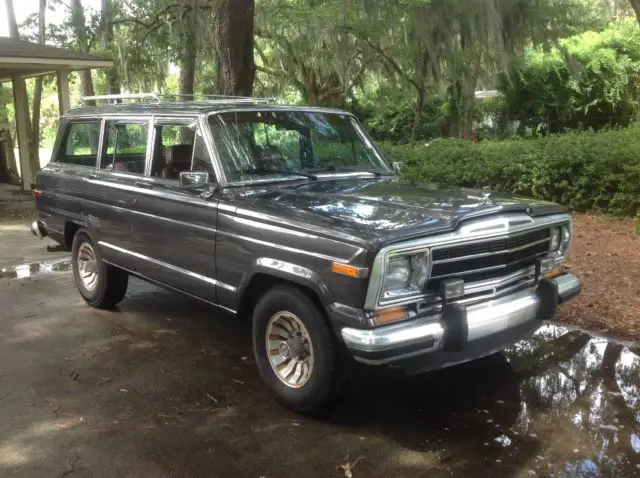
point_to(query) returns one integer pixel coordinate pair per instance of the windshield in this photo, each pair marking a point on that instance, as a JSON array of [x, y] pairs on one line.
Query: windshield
[[255, 145]]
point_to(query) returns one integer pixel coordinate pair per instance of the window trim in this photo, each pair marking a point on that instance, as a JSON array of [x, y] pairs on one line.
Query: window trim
[[359, 127], [60, 142], [127, 119], [171, 120]]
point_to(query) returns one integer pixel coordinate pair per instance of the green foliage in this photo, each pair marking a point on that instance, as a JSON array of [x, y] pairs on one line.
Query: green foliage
[[591, 81], [583, 170], [388, 114]]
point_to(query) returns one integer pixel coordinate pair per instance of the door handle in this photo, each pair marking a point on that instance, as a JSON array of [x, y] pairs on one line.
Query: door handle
[[93, 176], [143, 184]]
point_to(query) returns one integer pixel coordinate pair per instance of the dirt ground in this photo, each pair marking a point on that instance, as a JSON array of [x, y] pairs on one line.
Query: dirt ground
[[606, 256], [165, 387]]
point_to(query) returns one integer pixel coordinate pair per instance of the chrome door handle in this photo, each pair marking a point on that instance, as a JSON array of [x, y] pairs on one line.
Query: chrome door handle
[[143, 184]]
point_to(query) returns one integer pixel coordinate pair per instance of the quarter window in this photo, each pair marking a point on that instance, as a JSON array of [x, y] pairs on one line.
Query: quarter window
[[80, 144]]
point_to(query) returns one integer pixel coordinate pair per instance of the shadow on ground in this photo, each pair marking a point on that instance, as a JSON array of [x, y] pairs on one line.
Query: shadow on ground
[[165, 386]]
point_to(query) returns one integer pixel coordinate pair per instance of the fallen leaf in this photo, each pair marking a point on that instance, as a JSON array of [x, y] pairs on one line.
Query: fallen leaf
[[348, 467]]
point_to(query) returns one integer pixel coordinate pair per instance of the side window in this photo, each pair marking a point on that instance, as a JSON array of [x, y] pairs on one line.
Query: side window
[[125, 146], [177, 148], [80, 144]]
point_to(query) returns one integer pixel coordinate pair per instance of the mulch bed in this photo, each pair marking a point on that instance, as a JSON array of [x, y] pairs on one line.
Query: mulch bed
[[605, 255]]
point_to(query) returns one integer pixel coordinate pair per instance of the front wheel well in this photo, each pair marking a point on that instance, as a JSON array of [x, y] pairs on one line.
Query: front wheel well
[[260, 283]]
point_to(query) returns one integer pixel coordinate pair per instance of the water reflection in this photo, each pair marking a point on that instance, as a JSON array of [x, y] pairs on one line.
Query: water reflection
[[24, 271], [564, 403], [588, 388]]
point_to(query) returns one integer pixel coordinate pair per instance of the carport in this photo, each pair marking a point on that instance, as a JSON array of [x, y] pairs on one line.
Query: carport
[[20, 60]]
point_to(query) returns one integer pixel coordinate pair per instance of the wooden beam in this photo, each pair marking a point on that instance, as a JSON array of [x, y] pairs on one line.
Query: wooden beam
[[64, 101], [23, 126]]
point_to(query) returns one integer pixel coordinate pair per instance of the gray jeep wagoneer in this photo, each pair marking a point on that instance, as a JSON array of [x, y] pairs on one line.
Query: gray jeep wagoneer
[[292, 217]]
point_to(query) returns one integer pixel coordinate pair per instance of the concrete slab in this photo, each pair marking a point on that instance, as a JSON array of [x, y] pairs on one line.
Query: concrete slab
[[20, 248]]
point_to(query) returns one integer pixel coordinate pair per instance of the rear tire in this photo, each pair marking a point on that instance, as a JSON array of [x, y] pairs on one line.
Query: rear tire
[[100, 285], [286, 321]]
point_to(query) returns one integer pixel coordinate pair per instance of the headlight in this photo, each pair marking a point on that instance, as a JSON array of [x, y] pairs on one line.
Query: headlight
[[560, 241], [405, 275]]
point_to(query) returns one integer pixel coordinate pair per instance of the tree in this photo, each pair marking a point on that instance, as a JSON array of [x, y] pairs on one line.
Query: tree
[[79, 29], [233, 36], [106, 27]]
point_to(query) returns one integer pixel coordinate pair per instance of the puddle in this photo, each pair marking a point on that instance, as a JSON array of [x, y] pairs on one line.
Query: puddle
[[28, 270], [564, 404]]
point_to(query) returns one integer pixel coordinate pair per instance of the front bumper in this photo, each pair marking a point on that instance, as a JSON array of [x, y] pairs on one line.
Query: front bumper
[[463, 332]]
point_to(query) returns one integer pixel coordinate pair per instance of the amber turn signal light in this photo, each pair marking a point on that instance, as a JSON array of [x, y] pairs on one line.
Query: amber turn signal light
[[388, 316], [349, 270]]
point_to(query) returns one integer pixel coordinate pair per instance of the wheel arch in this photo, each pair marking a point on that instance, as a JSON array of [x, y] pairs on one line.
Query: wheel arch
[[268, 273]]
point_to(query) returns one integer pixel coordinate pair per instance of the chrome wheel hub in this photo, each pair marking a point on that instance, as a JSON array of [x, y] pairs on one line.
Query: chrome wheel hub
[[87, 266], [289, 349]]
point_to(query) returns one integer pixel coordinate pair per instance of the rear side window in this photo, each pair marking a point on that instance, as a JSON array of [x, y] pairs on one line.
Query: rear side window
[[80, 144], [125, 146]]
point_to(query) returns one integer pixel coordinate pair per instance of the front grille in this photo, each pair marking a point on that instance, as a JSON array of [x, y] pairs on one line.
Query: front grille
[[491, 259]]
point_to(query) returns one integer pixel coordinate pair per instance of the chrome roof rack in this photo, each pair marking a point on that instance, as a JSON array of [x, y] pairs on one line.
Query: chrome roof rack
[[170, 98]]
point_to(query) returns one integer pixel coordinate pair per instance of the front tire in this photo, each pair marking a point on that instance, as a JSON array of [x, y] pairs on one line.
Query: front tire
[[295, 351], [100, 285]]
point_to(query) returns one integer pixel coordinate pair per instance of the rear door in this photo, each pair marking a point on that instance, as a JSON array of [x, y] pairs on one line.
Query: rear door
[[118, 182], [174, 229]]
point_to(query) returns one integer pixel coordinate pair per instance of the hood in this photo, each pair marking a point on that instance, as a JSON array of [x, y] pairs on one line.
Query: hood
[[382, 210]]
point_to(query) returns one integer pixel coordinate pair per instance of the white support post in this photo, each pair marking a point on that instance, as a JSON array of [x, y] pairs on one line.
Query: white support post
[[21, 105], [64, 101]]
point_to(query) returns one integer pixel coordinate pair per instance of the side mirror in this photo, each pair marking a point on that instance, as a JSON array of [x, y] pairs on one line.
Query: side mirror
[[193, 179], [397, 167]]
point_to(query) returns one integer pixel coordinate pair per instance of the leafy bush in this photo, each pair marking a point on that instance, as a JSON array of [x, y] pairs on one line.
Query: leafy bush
[[591, 81], [388, 115], [583, 170]]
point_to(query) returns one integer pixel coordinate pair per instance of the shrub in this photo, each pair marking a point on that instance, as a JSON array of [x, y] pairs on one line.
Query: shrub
[[582, 170]]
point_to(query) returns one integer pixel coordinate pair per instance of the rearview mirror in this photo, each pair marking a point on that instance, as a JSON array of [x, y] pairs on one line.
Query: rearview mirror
[[193, 179]]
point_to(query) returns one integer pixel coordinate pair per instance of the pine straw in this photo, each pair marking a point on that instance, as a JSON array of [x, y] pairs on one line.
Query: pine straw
[[605, 255]]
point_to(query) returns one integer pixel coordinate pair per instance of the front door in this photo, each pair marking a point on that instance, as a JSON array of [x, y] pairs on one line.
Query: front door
[[174, 229]]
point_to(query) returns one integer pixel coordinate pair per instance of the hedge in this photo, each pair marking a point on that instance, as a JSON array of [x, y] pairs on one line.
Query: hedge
[[582, 170]]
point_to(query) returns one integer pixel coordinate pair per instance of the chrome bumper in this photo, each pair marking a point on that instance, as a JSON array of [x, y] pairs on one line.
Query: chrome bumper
[[472, 323]]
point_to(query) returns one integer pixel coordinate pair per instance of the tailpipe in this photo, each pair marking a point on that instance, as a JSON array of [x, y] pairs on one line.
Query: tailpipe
[[38, 229]]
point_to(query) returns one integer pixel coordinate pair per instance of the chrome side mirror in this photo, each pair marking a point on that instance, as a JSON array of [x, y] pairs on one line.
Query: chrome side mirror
[[193, 179]]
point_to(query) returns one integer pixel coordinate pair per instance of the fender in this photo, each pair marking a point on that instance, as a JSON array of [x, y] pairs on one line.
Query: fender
[[288, 271]]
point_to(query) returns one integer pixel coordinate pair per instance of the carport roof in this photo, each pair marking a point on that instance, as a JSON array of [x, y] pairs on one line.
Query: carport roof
[[26, 59]]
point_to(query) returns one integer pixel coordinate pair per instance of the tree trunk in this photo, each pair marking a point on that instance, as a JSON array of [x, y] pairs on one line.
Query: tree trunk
[[189, 52], [234, 46], [37, 98], [417, 119], [635, 4], [78, 22], [106, 26]]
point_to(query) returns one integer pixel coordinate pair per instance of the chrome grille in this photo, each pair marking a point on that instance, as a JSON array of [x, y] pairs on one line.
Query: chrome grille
[[491, 259]]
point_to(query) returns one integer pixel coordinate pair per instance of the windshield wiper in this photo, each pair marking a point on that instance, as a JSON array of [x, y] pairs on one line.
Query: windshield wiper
[[264, 172], [377, 174]]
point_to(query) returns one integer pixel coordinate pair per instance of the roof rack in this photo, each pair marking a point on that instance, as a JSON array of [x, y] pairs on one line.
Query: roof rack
[[167, 98]]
